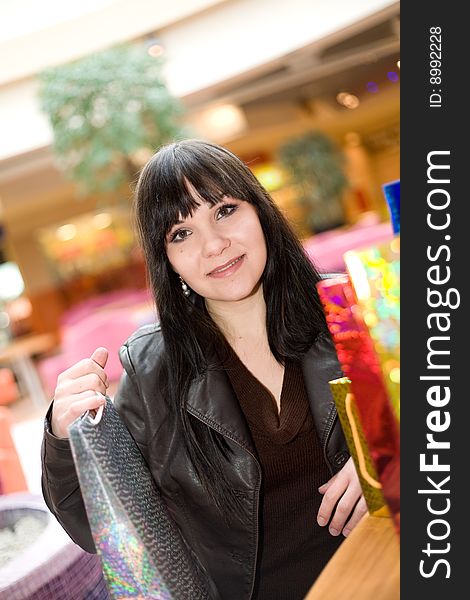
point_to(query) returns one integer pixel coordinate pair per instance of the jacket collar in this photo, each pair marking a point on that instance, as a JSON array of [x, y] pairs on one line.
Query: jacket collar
[[211, 397]]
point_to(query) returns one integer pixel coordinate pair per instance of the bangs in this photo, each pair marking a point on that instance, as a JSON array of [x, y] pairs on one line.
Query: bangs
[[183, 176], [182, 198]]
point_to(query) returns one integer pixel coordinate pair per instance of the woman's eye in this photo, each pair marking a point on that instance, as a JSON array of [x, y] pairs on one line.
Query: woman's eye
[[226, 210], [179, 235]]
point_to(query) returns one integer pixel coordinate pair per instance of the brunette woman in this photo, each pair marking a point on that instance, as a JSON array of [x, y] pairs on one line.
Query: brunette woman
[[227, 396]]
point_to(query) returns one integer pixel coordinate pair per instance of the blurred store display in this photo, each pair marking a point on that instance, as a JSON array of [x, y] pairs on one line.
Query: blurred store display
[[87, 244], [92, 254]]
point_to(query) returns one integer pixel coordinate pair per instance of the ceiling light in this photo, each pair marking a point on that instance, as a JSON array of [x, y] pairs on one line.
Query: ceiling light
[[226, 116], [154, 46], [220, 122], [66, 232], [102, 220], [155, 50], [347, 100]]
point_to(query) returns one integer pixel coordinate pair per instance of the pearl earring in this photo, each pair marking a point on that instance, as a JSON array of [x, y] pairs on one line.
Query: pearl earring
[[184, 287]]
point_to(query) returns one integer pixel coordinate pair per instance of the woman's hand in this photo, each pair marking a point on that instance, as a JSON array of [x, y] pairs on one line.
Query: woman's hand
[[80, 388], [344, 491]]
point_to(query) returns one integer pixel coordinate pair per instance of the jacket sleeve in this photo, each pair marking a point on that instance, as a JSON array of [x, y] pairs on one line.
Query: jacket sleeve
[[61, 489], [59, 481]]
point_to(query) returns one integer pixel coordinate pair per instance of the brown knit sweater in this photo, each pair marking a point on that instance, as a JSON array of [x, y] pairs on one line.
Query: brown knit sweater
[[293, 548]]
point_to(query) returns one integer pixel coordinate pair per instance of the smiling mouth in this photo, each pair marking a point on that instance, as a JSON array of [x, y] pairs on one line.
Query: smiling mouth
[[227, 266]]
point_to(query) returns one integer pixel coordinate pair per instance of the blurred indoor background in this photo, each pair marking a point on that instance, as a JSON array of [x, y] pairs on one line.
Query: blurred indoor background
[[306, 92]]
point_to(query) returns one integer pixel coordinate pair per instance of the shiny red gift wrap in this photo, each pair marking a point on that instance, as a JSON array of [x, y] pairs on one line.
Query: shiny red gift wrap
[[360, 363]]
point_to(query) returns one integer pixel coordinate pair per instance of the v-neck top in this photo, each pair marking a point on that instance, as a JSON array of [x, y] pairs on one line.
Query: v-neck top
[[264, 419], [293, 548]]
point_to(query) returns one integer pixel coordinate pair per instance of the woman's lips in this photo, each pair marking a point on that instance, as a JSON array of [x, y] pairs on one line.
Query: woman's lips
[[228, 269]]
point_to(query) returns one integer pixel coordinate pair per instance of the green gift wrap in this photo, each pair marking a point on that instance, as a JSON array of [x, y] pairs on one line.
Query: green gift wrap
[[357, 444], [375, 276]]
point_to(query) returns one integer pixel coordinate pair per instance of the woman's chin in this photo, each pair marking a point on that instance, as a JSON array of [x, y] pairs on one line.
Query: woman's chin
[[233, 294]]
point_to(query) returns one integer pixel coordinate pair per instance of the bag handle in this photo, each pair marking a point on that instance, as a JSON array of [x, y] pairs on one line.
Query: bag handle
[[357, 444]]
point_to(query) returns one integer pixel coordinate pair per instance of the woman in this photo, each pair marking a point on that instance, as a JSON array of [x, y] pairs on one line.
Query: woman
[[228, 397]]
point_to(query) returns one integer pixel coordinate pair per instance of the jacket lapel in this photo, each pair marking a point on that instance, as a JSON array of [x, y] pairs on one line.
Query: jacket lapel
[[319, 366], [211, 398]]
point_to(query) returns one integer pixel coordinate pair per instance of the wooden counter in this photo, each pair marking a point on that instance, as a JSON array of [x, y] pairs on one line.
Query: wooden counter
[[365, 567]]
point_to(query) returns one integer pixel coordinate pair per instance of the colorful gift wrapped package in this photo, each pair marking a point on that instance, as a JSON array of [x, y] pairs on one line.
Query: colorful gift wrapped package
[[360, 363], [375, 277]]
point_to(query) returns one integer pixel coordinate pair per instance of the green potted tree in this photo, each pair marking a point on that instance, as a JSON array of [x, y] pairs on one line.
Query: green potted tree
[[315, 167], [108, 112]]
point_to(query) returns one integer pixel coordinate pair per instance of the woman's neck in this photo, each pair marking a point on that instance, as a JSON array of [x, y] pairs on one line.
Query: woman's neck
[[243, 320]]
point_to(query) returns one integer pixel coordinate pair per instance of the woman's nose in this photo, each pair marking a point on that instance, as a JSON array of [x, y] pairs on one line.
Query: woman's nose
[[214, 243]]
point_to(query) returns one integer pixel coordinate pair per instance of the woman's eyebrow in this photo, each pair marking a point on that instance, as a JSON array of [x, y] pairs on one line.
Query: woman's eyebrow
[[170, 229], [223, 199], [179, 220]]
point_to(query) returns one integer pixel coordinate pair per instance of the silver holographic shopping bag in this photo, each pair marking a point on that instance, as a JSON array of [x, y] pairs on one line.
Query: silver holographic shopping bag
[[141, 549]]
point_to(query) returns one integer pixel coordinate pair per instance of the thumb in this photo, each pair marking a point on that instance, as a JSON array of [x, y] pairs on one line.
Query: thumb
[[100, 356]]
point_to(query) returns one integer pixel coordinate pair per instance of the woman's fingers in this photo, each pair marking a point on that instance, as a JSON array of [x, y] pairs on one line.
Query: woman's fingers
[[87, 366], [359, 511], [323, 488], [78, 405], [90, 381], [79, 396], [342, 505], [345, 506], [80, 388], [335, 488]]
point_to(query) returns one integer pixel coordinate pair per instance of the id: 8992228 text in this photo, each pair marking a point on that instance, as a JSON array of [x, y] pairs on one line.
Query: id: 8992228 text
[[435, 63]]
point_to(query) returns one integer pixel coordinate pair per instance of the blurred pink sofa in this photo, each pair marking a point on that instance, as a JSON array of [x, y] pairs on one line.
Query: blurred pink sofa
[[326, 249], [106, 321]]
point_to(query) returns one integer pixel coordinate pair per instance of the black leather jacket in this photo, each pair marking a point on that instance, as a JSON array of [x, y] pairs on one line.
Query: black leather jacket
[[227, 550]]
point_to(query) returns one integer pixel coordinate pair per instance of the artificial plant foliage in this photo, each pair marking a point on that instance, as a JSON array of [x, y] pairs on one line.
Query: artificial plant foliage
[[315, 165], [105, 110]]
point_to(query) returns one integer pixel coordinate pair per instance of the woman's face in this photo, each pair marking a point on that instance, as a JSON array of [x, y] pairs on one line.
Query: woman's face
[[220, 251]]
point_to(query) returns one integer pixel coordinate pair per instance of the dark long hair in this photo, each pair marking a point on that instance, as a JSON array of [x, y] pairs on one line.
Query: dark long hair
[[294, 315]]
